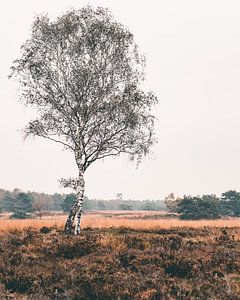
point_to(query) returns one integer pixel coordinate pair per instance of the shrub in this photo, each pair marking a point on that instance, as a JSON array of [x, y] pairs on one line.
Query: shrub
[[230, 203], [20, 215], [196, 208]]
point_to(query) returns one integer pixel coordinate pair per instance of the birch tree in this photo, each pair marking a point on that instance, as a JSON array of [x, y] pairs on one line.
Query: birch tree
[[83, 73]]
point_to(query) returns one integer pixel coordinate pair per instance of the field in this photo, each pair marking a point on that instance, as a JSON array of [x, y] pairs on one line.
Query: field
[[108, 219], [121, 255]]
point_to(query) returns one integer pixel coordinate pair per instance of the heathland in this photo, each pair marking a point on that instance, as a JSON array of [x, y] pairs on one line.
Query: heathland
[[125, 255]]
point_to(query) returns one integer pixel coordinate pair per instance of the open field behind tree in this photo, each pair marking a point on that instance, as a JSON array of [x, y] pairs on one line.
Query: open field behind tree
[[107, 219]]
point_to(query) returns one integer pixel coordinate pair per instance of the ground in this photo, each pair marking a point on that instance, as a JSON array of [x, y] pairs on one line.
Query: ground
[[121, 263]]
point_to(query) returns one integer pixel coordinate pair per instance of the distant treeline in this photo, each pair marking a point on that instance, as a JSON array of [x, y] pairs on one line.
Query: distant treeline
[[10, 199], [206, 206], [21, 204], [115, 204]]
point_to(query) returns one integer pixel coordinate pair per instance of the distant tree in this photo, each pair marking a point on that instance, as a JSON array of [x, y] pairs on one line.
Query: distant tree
[[171, 202], [38, 207], [23, 205], [2, 192], [8, 202], [16, 191], [68, 202], [57, 201], [230, 203], [82, 72], [195, 208], [125, 206], [101, 205], [87, 204], [149, 205], [160, 205]]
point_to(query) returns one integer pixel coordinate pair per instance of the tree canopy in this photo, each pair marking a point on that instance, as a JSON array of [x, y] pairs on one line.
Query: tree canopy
[[83, 73]]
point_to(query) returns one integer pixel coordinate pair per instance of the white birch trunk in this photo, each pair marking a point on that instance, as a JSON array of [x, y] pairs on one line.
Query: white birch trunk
[[70, 220], [80, 193], [76, 210]]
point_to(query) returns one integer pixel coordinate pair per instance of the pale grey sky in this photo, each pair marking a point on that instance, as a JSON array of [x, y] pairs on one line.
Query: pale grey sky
[[193, 66]]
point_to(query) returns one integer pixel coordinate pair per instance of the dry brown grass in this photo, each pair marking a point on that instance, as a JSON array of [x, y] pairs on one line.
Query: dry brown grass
[[102, 220], [113, 242], [8, 225]]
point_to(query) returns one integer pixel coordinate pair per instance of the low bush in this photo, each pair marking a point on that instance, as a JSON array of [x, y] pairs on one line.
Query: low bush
[[104, 264]]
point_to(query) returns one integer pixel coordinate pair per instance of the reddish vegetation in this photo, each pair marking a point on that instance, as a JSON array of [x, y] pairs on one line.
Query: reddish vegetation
[[121, 263]]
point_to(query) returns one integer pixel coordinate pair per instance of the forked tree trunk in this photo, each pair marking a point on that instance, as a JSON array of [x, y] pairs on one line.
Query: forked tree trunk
[[76, 210]]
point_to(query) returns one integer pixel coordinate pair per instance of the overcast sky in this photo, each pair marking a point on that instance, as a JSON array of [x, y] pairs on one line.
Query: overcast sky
[[193, 66]]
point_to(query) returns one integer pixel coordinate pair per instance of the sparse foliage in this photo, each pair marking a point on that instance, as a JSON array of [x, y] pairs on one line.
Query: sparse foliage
[[171, 202], [38, 207]]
